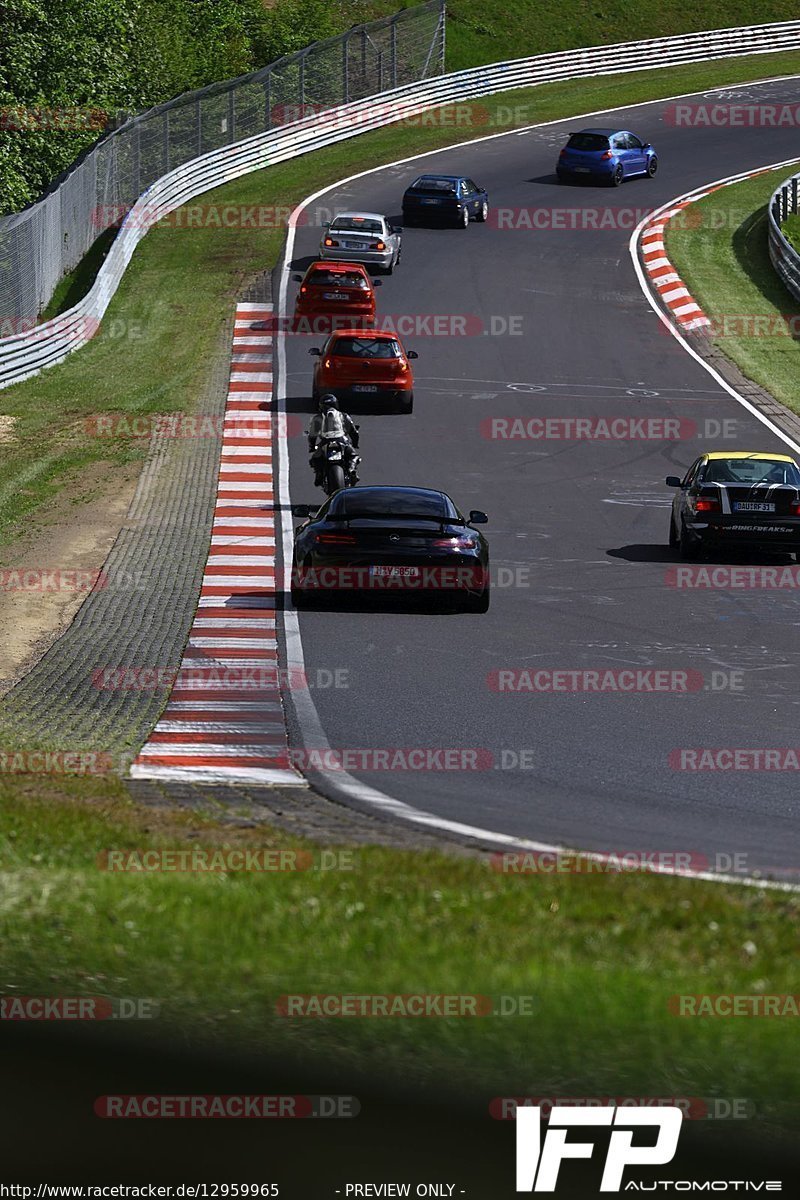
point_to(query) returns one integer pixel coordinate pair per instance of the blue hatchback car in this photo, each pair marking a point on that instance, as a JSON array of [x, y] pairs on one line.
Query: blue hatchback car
[[607, 155]]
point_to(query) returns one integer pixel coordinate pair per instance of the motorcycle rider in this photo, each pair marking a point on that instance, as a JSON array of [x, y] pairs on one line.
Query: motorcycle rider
[[327, 423]]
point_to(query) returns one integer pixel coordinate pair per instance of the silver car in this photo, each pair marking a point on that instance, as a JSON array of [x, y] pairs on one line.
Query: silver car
[[362, 237]]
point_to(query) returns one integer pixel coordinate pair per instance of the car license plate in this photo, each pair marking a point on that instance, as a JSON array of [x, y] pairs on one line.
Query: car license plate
[[354, 245], [752, 506], [365, 387], [432, 200], [395, 572], [334, 295], [582, 170]]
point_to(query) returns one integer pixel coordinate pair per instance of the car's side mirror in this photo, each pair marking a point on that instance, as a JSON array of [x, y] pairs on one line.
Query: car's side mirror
[[476, 517], [301, 510], [377, 283], [297, 278], [673, 481], [647, 146], [315, 350], [412, 354], [326, 225], [396, 228]]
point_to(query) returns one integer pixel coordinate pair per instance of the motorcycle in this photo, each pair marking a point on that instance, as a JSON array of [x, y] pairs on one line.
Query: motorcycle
[[339, 468]]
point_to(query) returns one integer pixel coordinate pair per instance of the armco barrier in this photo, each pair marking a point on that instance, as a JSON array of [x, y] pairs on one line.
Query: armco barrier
[[785, 259], [25, 354]]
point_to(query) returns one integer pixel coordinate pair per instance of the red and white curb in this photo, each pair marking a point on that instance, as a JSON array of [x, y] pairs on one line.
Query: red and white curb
[[224, 721], [663, 277], [664, 280]]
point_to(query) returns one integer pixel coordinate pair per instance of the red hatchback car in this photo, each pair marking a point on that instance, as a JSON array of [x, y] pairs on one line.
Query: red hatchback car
[[355, 364], [334, 295]]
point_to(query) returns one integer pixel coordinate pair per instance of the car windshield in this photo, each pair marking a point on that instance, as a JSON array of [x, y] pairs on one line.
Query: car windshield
[[429, 183], [323, 278], [366, 347], [587, 141], [356, 225], [390, 502], [751, 471]]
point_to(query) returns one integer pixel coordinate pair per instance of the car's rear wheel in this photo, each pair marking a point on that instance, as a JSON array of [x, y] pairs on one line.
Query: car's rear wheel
[[687, 545], [478, 603], [407, 403], [616, 178], [484, 211], [673, 535], [463, 218], [298, 594], [652, 166]]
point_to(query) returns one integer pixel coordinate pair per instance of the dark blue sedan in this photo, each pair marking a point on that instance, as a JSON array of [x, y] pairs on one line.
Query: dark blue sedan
[[607, 155], [454, 199]]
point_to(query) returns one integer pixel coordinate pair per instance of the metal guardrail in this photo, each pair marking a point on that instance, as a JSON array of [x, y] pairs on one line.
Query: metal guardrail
[[26, 354], [45, 241], [785, 259]]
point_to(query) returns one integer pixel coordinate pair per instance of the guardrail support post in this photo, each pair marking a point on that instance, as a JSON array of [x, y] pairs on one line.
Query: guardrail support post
[[302, 86], [232, 115], [794, 183], [346, 69], [393, 43], [165, 141], [198, 116], [268, 101]]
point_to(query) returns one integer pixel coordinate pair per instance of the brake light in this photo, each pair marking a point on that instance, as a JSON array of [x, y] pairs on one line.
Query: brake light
[[563, 152], [336, 539], [606, 154], [454, 543], [380, 245], [303, 289], [401, 366], [707, 504], [794, 508], [328, 363], [330, 242]]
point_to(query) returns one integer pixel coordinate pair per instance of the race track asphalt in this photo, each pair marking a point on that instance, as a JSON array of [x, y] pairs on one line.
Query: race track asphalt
[[578, 527]]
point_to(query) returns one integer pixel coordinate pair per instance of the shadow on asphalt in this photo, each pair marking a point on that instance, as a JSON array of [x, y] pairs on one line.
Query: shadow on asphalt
[[660, 553]]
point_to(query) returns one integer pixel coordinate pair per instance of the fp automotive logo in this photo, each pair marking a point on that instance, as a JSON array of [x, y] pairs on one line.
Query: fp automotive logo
[[538, 1164]]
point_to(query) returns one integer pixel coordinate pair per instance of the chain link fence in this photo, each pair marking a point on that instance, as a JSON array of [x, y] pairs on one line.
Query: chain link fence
[[49, 238]]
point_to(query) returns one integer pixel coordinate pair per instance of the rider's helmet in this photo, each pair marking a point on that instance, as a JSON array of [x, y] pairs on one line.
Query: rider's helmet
[[328, 402]]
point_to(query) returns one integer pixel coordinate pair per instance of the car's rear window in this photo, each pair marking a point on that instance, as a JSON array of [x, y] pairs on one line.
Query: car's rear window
[[356, 225], [427, 183], [751, 471], [323, 278], [383, 502], [587, 141], [365, 347]]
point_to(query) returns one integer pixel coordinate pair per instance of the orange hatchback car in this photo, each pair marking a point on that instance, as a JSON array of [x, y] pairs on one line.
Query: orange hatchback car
[[355, 365], [334, 295]]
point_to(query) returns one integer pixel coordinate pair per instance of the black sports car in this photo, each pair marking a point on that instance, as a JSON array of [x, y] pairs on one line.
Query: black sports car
[[737, 499], [454, 199], [390, 540]]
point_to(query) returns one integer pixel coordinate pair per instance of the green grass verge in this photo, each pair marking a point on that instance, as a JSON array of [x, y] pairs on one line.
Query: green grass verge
[[154, 351], [599, 955], [721, 253], [480, 33]]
